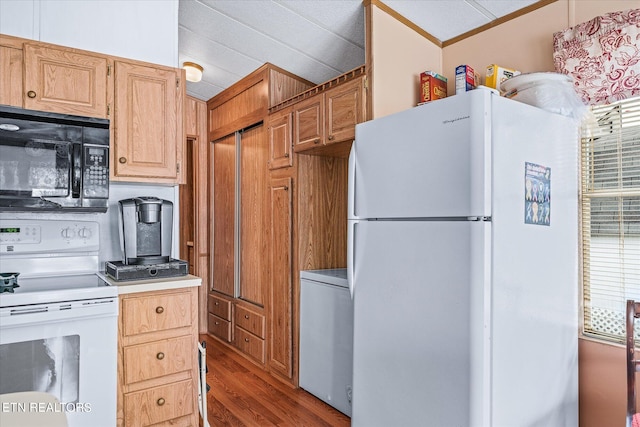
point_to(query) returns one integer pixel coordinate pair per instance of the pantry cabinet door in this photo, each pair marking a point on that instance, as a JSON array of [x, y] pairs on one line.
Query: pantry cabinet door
[[281, 302], [148, 122], [65, 81]]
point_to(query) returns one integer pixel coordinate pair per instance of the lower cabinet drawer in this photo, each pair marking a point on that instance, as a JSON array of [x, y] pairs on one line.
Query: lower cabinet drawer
[[220, 307], [158, 404], [158, 358], [249, 344], [250, 321], [219, 327], [150, 313]]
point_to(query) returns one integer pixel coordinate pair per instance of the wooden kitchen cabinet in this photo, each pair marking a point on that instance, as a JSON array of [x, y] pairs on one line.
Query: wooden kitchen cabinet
[[246, 146], [309, 123], [282, 272], [143, 101], [66, 80], [11, 63], [148, 135], [308, 204], [279, 130], [325, 122], [249, 332], [157, 358], [219, 317]]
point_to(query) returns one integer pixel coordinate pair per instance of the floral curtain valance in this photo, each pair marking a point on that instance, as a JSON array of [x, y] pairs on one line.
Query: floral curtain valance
[[603, 57]]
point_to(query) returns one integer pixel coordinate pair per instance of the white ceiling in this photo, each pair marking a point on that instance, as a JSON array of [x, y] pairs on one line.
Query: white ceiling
[[314, 39]]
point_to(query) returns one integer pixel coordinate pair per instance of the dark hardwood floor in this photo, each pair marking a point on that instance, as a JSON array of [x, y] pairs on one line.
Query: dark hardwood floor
[[242, 394]]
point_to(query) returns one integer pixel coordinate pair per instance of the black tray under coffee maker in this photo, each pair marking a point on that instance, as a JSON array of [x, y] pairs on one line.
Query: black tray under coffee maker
[[146, 226]]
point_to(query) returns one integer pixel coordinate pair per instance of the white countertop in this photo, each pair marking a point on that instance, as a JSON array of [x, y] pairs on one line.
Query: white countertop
[[147, 285]]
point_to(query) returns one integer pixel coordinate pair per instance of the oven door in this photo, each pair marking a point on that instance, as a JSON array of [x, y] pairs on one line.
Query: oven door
[[68, 349]]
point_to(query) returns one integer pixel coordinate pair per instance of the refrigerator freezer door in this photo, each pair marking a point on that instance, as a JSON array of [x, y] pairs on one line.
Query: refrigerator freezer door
[[429, 161], [417, 289], [535, 268]]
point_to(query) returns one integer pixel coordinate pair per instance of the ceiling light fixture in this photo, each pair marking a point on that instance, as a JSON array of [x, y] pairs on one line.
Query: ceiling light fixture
[[194, 71]]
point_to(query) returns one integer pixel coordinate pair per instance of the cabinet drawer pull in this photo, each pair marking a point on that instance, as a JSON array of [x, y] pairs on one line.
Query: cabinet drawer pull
[[160, 401], [160, 356], [246, 316], [122, 160], [160, 309], [286, 188], [246, 340], [31, 94]]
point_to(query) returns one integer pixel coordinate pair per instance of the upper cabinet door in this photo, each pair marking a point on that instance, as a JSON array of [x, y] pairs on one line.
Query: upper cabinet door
[[344, 109], [279, 132], [308, 117], [65, 81], [148, 104], [11, 72]]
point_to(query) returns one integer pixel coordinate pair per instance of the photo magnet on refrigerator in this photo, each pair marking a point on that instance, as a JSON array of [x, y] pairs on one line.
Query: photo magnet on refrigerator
[[537, 194]]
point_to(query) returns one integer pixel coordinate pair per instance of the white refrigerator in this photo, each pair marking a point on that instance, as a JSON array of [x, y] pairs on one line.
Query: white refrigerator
[[463, 266]]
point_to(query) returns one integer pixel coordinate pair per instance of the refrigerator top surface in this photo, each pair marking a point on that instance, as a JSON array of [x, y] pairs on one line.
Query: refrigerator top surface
[[332, 276]]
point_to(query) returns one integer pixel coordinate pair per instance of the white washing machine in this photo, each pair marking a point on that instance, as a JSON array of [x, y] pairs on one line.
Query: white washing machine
[[326, 336]]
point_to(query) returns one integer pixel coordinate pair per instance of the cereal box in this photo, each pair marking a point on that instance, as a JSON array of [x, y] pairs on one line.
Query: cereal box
[[496, 75], [432, 86], [466, 79]]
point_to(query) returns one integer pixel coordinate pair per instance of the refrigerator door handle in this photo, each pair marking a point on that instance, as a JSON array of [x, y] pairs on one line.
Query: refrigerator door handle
[[351, 184], [351, 235]]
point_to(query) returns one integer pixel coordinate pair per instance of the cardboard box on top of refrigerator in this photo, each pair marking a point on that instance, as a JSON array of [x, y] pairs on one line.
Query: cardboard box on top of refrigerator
[[432, 86], [466, 79], [496, 75]]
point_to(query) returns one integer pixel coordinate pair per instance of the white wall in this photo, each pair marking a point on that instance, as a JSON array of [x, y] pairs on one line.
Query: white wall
[[145, 30]]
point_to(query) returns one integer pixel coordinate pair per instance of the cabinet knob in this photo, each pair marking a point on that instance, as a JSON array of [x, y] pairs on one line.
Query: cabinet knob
[[330, 138], [286, 188], [246, 316], [286, 154], [216, 323], [316, 141], [246, 339], [160, 309], [31, 94], [160, 401], [216, 303], [160, 356], [122, 160]]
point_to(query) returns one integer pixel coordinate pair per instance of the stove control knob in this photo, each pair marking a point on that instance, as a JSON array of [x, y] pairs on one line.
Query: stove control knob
[[85, 233], [68, 233]]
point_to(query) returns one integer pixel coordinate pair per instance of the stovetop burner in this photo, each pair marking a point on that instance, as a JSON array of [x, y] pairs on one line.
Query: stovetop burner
[[8, 282]]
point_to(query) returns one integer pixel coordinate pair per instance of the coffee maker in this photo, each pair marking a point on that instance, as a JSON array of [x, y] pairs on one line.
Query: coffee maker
[[145, 228], [146, 225]]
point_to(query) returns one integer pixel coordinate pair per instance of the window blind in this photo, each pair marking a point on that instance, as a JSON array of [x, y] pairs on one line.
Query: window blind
[[610, 205]]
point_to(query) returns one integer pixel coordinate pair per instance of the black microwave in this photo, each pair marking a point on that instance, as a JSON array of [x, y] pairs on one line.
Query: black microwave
[[51, 161]]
